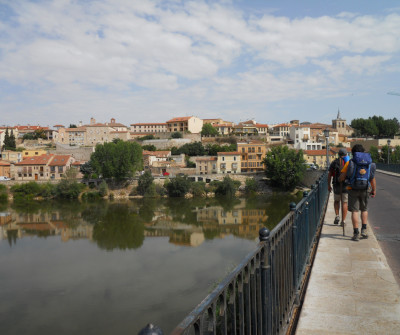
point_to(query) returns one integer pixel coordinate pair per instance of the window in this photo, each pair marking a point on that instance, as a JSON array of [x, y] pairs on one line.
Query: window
[[223, 158], [234, 158]]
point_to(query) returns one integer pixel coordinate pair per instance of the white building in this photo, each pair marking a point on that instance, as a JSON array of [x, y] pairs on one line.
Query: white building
[[301, 137]]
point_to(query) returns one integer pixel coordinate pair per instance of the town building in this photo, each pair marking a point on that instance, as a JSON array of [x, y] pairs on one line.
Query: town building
[[282, 130], [190, 124], [224, 129], [5, 169], [145, 128], [206, 165], [252, 155], [43, 167], [228, 162], [11, 156], [301, 137], [32, 153], [150, 157], [318, 157]]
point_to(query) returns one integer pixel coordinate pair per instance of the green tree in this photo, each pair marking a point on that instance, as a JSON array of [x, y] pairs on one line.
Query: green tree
[[146, 137], [149, 147], [12, 145], [189, 149], [178, 186], [208, 130], [374, 154], [103, 189], [251, 186], [227, 187], [145, 183], [117, 160], [86, 169], [284, 167], [71, 125], [6, 140], [198, 189], [176, 134], [68, 187]]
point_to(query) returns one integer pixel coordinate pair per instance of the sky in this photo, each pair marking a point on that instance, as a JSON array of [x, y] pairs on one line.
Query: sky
[[65, 61]]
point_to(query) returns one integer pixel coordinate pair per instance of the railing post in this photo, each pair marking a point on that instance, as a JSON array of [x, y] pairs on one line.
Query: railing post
[[265, 281], [292, 208], [151, 330]]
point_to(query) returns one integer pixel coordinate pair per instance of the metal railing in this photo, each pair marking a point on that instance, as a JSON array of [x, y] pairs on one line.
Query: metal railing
[[264, 291], [388, 167]]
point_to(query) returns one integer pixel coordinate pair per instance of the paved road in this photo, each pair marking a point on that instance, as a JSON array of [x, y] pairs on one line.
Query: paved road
[[384, 218]]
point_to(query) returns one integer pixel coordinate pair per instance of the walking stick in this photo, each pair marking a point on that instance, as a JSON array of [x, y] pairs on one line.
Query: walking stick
[[342, 223]]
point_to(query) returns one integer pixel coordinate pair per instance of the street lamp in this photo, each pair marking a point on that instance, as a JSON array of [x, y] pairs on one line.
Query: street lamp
[[326, 134], [388, 142]]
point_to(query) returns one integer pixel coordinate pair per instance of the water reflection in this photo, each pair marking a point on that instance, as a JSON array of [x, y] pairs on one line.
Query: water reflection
[[125, 225]]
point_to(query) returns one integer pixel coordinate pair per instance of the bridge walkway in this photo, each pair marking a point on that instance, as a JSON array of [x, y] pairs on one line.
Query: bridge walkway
[[352, 290]]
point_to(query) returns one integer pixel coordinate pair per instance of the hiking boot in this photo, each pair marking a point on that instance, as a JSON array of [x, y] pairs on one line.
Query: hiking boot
[[356, 237], [364, 233], [337, 220]]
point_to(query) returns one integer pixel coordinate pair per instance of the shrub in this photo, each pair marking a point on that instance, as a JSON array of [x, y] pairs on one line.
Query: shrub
[[227, 187], [69, 189], [251, 186], [103, 189], [176, 134], [91, 195], [178, 187], [160, 190], [3, 193], [198, 188], [146, 181]]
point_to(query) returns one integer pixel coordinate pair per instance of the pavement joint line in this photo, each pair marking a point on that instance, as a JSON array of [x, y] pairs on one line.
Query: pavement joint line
[[357, 271]]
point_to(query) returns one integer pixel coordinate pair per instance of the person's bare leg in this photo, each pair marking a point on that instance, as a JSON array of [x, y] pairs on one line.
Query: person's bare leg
[[336, 206], [354, 219], [364, 217]]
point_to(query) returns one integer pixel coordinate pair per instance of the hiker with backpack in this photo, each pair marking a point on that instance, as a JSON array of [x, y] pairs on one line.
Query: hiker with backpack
[[339, 189], [359, 176]]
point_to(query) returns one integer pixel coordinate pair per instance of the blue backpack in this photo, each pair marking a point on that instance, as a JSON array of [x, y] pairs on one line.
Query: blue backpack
[[362, 165]]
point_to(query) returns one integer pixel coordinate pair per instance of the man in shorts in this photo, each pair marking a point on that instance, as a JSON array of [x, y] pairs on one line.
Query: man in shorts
[[339, 189], [358, 199]]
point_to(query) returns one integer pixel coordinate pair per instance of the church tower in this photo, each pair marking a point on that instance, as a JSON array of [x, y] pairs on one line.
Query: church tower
[[339, 124]]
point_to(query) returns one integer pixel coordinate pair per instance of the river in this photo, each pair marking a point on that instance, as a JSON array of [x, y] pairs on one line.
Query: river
[[112, 267]]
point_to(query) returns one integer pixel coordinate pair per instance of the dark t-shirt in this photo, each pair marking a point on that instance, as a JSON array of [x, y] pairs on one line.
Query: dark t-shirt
[[335, 168]]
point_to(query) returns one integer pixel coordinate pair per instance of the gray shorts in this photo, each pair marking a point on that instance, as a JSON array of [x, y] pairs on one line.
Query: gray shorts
[[358, 200], [345, 197]]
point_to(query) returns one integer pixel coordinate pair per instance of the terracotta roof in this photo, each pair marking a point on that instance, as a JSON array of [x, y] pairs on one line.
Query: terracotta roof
[[179, 119], [233, 153], [116, 124], [319, 125], [58, 125], [4, 163], [36, 160], [148, 124], [258, 125], [36, 226], [281, 125], [31, 127], [77, 163], [60, 160], [76, 129]]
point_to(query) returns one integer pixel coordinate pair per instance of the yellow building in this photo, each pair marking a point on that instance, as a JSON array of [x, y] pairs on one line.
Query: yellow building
[[33, 153], [206, 165], [318, 157], [228, 162], [183, 124], [11, 156], [252, 155]]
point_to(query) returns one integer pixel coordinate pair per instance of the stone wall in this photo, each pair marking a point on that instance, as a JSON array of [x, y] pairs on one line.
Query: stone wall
[[79, 153], [310, 177]]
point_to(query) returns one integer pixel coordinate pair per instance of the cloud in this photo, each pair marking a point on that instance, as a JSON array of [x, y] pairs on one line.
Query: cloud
[[183, 57]]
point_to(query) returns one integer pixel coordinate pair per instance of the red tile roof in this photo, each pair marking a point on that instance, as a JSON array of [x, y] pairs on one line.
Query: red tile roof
[[76, 129], [179, 119], [36, 160], [4, 163], [148, 124], [60, 160]]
